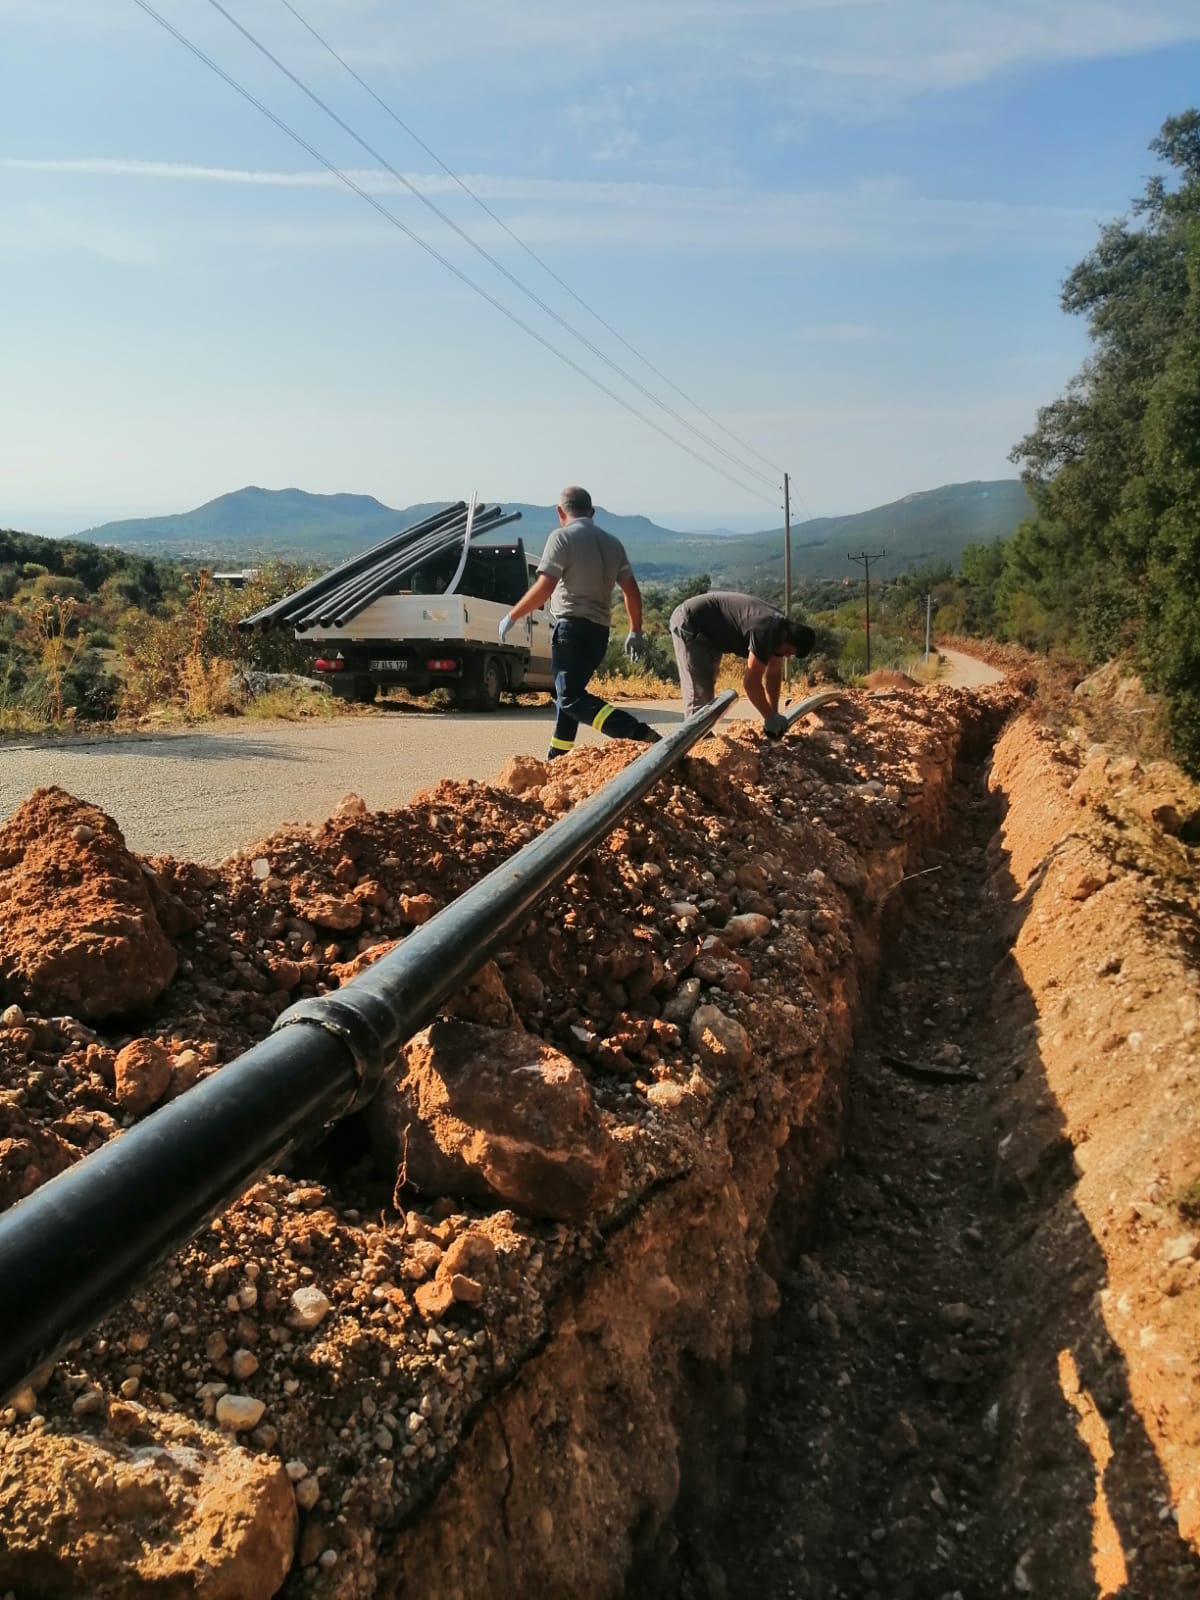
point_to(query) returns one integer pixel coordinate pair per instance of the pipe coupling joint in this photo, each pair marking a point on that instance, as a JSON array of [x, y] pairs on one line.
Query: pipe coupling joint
[[364, 1024]]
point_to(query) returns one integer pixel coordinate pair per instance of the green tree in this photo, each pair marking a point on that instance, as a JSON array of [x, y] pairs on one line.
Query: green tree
[[1108, 562], [1163, 510]]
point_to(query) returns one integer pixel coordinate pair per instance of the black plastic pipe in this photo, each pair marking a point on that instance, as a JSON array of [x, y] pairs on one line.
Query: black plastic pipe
[[390, 565], [78, 1245], [326, 606], [278, 609], [449, 530], [351, 609], [343, 606], [822, 698]]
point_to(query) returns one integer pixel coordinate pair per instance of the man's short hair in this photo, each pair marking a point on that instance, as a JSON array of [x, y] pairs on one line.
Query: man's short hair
[[802, 636], [576, 502]]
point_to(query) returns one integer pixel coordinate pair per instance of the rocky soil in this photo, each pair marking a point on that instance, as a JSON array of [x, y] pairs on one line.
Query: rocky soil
[[477, 1343]]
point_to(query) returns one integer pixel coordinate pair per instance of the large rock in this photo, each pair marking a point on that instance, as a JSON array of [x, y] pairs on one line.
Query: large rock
[[78, 929], [142, 1073], [719, 1040], [493, 1116], [520, 774], [171, 1511]]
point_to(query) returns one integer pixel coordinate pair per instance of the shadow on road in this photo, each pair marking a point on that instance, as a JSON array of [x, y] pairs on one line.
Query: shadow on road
[[181, 747], [654, 711]]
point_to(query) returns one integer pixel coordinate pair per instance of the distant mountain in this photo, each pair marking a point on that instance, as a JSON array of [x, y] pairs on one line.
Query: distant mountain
[[928, 527], [253, 523]]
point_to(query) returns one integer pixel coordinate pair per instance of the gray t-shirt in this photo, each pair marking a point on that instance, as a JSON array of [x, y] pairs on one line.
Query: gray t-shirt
[[738, 623], [587, 562]]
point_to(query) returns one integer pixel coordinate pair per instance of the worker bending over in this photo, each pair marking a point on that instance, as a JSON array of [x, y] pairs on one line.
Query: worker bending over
[[577, 572], [707, 626]]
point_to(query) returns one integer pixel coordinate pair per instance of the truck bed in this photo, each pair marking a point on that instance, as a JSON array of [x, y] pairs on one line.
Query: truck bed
[[428, 617]]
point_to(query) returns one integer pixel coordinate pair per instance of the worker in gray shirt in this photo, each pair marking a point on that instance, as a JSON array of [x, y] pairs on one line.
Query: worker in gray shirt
[[578, 570], [708, 626]]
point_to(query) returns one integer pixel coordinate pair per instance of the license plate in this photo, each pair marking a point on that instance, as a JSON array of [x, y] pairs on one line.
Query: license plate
[[389, 666]]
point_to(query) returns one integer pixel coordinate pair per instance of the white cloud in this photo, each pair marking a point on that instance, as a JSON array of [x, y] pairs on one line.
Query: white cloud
[[886, 215], [849, 56]]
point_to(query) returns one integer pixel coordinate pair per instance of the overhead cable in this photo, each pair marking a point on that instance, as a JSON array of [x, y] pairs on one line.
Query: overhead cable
[[517, 240], [431, 250], [481, 250]]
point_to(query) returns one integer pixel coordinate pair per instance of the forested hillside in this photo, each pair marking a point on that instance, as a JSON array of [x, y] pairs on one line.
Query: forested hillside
[[1109, 563]]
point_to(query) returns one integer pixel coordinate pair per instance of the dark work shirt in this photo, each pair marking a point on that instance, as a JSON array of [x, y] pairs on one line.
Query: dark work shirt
[[733, 622]]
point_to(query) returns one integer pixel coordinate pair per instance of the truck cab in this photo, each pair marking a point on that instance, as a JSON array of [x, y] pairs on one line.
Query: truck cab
[[434, 632]]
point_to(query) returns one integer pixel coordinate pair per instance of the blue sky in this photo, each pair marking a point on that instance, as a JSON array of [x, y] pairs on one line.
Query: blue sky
[[838, 226]]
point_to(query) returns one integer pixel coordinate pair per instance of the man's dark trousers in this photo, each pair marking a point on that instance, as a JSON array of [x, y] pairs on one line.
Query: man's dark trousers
[[577, 648]]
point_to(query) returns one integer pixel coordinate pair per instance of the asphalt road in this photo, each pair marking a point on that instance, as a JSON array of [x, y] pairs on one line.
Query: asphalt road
[[202, 795]]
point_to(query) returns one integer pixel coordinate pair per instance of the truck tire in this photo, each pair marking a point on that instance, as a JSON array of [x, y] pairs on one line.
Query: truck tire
[[487, 682], [365, 690]]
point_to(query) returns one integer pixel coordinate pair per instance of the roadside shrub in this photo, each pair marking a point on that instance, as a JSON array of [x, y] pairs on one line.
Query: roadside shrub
[[93, 692], [52, 585]]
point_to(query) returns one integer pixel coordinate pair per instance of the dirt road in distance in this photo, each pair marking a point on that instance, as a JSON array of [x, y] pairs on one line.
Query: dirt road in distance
[[967, 672]]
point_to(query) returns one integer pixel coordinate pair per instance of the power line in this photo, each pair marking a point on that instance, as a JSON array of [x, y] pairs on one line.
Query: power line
[[481, 250], [430, 250], [516, 238]]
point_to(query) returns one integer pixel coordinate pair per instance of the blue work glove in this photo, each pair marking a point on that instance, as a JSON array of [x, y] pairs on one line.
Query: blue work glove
[[506, 623], [775, 726], [635, 645]]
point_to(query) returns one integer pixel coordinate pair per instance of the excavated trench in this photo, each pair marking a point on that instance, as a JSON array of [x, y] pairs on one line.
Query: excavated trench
[[859, 1265], [939, 1412]]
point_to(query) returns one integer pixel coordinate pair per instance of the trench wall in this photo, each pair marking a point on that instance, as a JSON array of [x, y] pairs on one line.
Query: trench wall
[[1097, 1150], [570, 1476]]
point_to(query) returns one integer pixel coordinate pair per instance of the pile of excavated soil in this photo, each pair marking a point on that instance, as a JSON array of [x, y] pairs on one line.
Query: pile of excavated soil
[[698, 975], [355, 1382]]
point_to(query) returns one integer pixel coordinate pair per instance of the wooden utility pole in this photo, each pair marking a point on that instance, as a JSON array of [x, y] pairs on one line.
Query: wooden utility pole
[[787, 547], [866, 560], [928, 619], [787, 565]]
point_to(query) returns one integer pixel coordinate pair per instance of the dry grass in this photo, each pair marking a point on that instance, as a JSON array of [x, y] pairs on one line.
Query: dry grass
[[637, 686], [19, 719], [925, 671], [299, 705], [647, 686]]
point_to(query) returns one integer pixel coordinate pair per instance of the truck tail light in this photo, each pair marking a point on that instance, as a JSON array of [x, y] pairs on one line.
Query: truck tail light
[[441, 664], [336, 665]]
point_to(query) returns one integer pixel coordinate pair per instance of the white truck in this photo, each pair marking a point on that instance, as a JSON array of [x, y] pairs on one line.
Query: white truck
[[439, 631]]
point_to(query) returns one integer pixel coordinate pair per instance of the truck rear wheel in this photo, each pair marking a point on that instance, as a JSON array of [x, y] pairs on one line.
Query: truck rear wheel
[[487, 681], [365, 690]]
